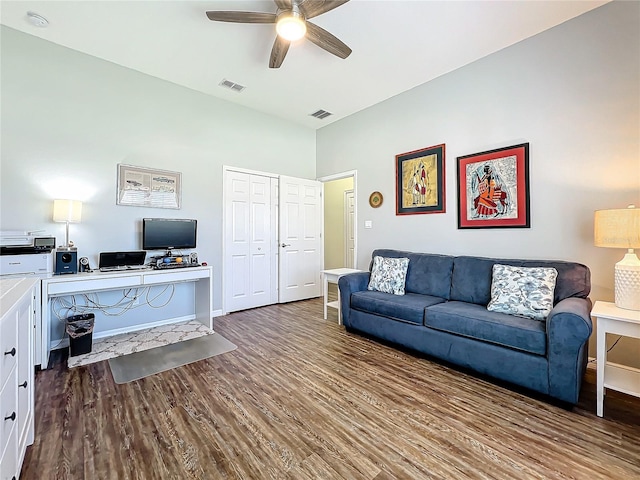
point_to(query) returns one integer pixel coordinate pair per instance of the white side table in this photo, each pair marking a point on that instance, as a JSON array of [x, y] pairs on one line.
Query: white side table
[[333, 276], [618, 321]]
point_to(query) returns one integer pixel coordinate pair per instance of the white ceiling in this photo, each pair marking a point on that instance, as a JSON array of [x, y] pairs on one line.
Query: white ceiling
[[397, 45]]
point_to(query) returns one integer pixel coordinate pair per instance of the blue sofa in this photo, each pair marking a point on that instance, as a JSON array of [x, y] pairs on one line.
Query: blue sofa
[[444, 314]]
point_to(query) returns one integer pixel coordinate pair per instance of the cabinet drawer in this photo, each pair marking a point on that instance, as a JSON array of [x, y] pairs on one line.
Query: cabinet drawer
[[93, 285], [9, 462], [25, 354], [8, 404], [8, 345], [23, 408], [186, 275]]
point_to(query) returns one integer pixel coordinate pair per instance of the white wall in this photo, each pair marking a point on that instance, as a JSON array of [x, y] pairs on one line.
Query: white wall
[[67, 120], [572, 92]]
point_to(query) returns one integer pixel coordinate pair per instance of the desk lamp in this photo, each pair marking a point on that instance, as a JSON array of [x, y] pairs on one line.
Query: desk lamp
[[620, 228], [67, 211]]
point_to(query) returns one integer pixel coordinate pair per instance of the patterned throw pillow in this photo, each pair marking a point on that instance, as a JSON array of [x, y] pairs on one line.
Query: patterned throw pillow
[[388, 275], [523, 291]]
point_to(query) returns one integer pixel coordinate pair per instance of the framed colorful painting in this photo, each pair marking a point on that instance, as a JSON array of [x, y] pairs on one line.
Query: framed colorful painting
[[493, 188], [420, 181]]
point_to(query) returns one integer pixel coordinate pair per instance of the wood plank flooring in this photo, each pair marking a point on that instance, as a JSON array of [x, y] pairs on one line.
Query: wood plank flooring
[[301, 398]]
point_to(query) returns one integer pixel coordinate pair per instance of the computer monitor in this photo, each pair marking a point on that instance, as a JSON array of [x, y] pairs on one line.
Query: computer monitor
[[168, 233]]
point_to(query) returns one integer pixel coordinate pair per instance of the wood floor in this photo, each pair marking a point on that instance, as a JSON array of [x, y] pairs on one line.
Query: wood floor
[[303, 399]]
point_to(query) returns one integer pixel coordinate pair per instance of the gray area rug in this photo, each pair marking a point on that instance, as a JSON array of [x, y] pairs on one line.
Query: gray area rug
[[135, 366]]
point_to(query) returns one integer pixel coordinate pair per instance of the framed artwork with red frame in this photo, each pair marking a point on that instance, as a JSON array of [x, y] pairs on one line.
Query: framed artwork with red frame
[[493, 188], [420, 181]]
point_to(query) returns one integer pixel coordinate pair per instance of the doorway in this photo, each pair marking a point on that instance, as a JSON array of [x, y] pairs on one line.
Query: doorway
[[340, 214]]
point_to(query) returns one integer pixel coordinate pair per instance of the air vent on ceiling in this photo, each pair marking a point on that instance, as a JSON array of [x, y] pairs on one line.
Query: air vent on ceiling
[[236, 87], [321, 114]]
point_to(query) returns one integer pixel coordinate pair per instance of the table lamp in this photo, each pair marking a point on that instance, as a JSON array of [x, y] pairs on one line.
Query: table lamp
[[67, 211], [620, 228]]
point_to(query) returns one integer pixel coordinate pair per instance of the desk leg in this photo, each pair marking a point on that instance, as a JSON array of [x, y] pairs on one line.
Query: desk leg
[[203, 301], [601, 360], [44, 331], [325, 293]]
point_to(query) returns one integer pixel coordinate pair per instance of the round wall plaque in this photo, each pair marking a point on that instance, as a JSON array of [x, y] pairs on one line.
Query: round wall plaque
[[375, 199]]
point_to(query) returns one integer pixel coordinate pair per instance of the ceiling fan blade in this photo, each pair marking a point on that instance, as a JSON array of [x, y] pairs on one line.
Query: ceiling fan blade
[[283, 4], [278, 52], [327, 41], [313, 8], [242, 17]]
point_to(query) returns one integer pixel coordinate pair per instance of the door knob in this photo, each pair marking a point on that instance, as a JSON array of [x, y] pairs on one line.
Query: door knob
[[24, 385], [284, 245], [11, 352], [11, 417]]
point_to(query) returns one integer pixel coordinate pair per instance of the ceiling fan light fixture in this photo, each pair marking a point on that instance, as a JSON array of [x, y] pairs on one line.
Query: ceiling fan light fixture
[[291, 26]]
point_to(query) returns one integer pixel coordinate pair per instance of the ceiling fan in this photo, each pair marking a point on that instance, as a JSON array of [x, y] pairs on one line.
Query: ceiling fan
[[292, 24]]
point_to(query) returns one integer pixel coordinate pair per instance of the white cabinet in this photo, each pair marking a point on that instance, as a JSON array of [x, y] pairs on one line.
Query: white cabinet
[[18, 303]]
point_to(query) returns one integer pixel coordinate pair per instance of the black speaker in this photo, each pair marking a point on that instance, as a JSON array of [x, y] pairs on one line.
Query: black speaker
[[193, 258], [66, 261], [84, 264]]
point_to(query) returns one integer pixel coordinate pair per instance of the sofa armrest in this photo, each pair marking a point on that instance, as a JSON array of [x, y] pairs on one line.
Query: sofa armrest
[[569, 327], [348, 284]]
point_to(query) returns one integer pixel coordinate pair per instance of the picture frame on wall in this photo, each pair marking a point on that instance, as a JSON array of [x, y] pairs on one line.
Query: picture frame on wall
[[493, 188], [148, 187], [420, 181]]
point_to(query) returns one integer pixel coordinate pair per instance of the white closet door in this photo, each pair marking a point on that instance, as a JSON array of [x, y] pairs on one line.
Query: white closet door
[[248, 241], [300, 227]]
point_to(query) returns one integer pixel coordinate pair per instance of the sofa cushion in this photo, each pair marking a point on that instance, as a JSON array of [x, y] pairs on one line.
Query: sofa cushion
[[388, 275], [428, 274], [471, 278], [525, 291], [408, 308], [475, 321]]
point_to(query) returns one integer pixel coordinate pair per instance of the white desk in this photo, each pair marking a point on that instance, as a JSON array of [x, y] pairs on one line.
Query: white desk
[[81, 283], [622, 378], [333, 276]]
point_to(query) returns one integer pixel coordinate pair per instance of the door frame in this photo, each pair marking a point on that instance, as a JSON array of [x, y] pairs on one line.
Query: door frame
[[274, 229], [340, 176]]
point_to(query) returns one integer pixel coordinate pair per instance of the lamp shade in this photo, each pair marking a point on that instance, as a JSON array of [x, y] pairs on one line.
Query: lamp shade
[[67, 211], [617, 228]]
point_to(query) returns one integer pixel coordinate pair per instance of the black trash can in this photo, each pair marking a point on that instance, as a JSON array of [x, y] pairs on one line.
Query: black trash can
[[80, 331]]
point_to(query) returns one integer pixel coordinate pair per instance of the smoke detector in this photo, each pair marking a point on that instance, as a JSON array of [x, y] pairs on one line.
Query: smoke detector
[[37, 20]]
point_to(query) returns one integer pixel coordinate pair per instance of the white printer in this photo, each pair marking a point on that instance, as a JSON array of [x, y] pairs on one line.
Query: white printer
[[26, 252]]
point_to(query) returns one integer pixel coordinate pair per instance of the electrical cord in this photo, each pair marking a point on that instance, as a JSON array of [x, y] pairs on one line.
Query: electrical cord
[[608, 349], [63, 307]]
